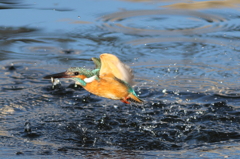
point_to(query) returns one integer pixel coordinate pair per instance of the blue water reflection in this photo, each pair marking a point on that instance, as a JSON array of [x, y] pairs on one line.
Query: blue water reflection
[[185, 56]]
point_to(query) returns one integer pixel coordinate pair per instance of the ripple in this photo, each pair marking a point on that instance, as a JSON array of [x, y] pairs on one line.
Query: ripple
[[222, 42], [160, 22], [10, 31], [205, 5], [49, 50], [58, 9], [13, 4]]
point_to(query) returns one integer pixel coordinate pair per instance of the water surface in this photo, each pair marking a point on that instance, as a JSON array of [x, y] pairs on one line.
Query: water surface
[[185, 57]]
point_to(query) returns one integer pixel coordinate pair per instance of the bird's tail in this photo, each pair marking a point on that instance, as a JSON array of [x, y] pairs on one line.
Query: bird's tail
[[134, 98]]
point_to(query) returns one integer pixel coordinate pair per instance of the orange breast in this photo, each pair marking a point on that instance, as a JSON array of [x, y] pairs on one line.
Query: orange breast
[[108, 87]]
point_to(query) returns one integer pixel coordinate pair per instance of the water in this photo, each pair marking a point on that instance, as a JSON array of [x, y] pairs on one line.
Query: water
[[185, 58]]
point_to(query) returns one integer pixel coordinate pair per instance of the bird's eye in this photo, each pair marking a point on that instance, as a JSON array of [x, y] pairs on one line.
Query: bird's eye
[[76, 73]]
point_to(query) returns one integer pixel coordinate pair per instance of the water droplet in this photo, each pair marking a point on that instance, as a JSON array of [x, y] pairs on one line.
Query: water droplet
[[27, 127], [164, 91]]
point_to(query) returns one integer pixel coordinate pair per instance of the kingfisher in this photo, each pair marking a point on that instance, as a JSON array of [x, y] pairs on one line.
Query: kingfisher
[[111, 78]]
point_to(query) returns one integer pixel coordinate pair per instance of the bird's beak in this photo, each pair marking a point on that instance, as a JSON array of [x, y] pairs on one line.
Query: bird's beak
[[58, 75]]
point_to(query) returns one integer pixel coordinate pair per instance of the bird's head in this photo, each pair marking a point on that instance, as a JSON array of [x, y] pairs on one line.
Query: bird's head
[[78, 74]]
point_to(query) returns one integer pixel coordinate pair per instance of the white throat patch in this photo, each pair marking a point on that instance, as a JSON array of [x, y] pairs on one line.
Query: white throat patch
[[90, 79]]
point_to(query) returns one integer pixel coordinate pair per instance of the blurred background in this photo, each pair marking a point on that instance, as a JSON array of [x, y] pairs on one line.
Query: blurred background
[[185, 58]]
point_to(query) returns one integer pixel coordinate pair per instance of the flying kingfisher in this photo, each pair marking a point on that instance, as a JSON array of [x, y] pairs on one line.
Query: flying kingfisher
[[110, 79]]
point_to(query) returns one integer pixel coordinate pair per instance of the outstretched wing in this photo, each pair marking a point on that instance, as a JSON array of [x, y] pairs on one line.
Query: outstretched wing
[[97, 62], [112, 66]]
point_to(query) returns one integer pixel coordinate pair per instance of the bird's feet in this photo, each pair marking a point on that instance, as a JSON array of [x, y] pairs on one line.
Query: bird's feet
[[124, 100]]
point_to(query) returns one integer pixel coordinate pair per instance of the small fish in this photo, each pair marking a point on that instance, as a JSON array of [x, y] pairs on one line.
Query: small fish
[[55, 82], [27, 127]]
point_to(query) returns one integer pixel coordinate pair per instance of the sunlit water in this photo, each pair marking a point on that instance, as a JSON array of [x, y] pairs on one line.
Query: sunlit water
[[185, 58]]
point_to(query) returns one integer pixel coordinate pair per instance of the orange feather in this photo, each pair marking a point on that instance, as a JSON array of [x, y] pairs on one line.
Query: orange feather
[[108, 87], [112, 66]]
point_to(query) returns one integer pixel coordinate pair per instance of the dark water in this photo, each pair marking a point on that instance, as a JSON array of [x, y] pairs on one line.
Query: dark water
[[185, 57]]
